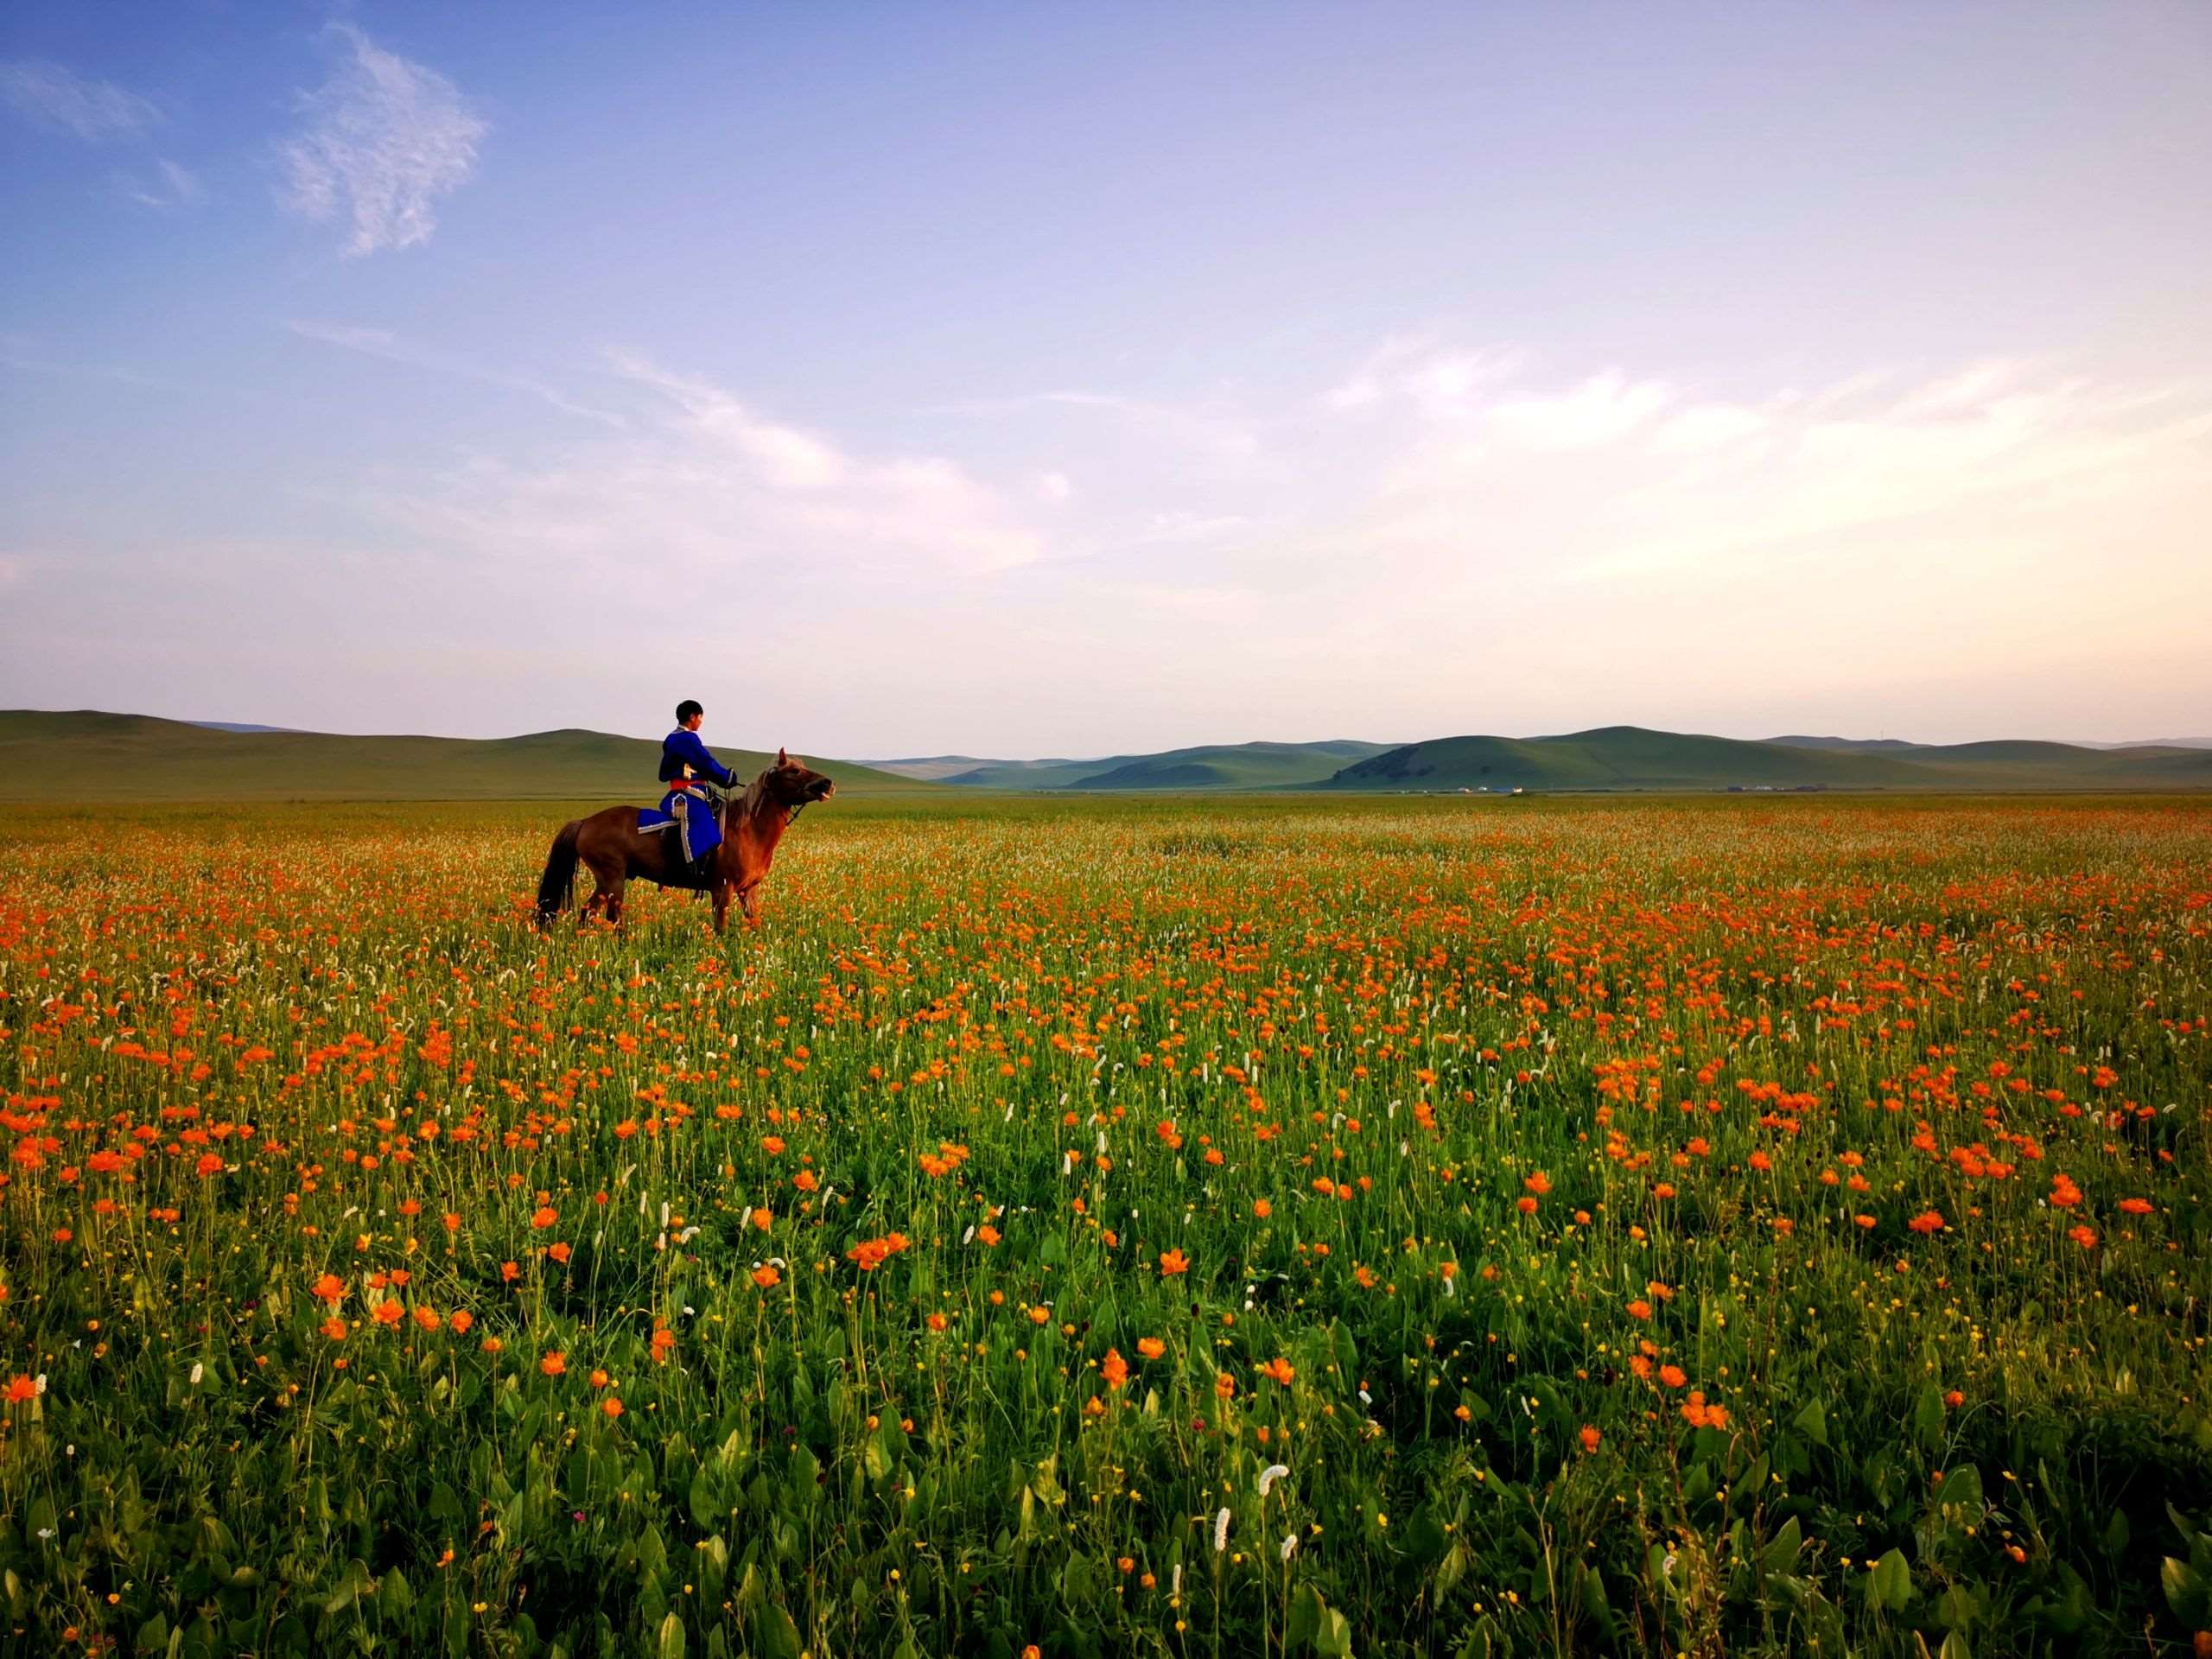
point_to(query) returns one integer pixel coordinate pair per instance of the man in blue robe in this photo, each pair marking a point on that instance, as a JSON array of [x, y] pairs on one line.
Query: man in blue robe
[[684, 761]]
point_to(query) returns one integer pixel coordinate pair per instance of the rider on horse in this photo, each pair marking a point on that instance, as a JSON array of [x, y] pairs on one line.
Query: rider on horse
[[683, 761]]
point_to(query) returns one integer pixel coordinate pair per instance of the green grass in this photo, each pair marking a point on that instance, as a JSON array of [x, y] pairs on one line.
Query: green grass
[[1599, 1090], [87, 756]]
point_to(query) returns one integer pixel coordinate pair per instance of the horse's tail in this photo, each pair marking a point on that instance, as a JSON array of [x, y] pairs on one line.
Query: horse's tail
[[558, 885]]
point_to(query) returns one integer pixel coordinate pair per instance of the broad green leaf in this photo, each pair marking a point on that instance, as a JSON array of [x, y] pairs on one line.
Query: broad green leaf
[[1890, 1585]]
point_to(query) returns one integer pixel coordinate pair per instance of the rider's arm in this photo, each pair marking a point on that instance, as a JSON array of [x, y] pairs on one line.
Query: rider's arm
[[687, 745]]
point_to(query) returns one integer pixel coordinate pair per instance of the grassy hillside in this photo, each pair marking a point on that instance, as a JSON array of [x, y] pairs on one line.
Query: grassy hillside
[[88, 756], [1212, 765], [1232, 766], [1629, 757]]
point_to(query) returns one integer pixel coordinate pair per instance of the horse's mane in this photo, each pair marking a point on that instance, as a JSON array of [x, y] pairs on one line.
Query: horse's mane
[[746, 803]]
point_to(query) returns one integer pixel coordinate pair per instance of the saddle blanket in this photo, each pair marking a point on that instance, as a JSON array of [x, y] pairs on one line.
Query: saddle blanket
[[695, 822]]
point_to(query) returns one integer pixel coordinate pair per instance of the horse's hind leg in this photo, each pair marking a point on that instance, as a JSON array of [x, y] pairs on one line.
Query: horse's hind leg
[[607, 893]]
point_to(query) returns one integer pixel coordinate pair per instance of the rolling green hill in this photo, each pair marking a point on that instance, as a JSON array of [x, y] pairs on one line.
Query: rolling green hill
[[1232, 766], [1631, 757], [1213, 766], [89, 756]]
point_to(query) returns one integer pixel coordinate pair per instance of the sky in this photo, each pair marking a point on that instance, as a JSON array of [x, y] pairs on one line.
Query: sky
[[1037, 380]]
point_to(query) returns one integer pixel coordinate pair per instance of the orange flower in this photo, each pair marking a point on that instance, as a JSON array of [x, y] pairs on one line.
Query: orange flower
[[555, 1363], [1172, 1262], [462, 1318], [1591, 1437], [428, 1317], [1639, 1309], [1526, 1206], [664, 1344], [762, 1218], [2085, 1236], [1113, 1368], [1262, 1209], [558, 1252], [1040, 1315], [1673, 1376], [334, 1329], [600, 1379], [20, 1387], [1538, 1183], [1151, 1347], [389, 1311], [766, 1277], [546, 1216], [611, 1406], [1927, 1222], [804, 1181], [509, 1272], [1225, 1385], [1281, 1369], [330, 1288], [1698, 1414], [2135, 1206], [939, 1322]]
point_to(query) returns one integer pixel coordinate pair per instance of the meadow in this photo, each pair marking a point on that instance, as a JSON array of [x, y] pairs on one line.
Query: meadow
[[1376, 1226]]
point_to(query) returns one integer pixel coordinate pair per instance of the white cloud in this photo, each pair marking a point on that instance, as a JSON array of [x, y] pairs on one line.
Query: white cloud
[[377, 342], [49, 95], [705, 486], [170, 187], [385, 139]]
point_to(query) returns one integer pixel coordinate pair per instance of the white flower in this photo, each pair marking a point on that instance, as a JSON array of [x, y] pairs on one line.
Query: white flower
[[1452, 1286], [1221, 1532], [196, 1369], [1272, 1473], [1175, 1584], [1289, 1545]]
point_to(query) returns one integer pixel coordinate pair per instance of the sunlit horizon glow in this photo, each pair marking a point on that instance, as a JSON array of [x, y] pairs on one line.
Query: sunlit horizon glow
[[1012, 385]]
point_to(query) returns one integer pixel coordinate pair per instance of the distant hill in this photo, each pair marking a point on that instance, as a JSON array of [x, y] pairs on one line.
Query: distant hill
[[969, 770], [1233, 765], [89, 756], [1209, 766], [1631, 757], [1851, 744]]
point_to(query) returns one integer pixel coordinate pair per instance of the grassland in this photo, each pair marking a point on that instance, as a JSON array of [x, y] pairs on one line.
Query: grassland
[[88, 756], [1147, 1226]]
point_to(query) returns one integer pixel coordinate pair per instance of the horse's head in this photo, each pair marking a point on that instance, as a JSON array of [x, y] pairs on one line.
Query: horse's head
[[792, 783]]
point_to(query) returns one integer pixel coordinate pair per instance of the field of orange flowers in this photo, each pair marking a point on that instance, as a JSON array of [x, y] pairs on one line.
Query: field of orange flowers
[[1180, 1228]]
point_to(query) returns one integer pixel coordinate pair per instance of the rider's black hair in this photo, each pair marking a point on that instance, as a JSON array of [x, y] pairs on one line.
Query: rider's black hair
[[685, 710]]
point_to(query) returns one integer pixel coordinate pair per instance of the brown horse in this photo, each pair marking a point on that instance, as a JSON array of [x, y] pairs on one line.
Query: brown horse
[[610, 845]]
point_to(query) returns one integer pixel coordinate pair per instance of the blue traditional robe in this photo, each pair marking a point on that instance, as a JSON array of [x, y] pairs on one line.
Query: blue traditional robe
[[684, 757]]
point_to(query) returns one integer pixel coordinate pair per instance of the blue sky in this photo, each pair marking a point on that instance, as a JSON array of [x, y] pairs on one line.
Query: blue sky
[[1022, 379]]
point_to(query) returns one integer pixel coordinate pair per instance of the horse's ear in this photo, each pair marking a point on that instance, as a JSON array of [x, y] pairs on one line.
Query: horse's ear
[[782, 759]]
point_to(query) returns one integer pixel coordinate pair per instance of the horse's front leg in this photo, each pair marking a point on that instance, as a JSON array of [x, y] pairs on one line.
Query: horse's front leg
[[749, 898], [723, 890]]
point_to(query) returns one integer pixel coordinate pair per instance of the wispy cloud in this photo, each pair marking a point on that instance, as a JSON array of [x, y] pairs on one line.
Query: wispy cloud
[[377, 342], [384, 138], [712, 486], [168, 186], [48, 95], [1197, 428]]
